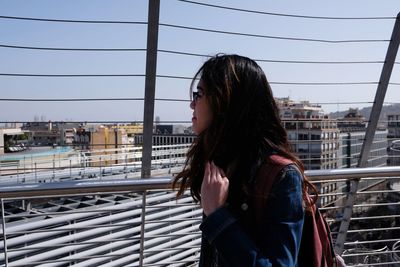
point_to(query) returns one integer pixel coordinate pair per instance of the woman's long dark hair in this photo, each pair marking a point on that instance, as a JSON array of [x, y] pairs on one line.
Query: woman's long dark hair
[[245, 124]]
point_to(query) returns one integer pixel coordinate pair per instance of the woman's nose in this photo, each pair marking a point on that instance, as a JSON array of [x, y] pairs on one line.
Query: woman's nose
[[192, 104]]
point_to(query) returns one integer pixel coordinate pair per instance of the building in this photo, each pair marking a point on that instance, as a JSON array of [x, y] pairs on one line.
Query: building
[[352, 135], [95, 141], [351, 144], [314, 136], [353, 121], [169, 135], [393, 138], [50, 133], [12, 138], [131, 130]]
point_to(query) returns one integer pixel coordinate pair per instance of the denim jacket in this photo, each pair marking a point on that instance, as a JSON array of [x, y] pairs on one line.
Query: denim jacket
[[226, 238]]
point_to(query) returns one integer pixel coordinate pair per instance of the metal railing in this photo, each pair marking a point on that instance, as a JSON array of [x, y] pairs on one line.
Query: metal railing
[[115, 163], [138, 222]]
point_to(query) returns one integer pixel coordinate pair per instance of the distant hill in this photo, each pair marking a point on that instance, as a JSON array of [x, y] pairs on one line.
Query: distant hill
[[386, 110]]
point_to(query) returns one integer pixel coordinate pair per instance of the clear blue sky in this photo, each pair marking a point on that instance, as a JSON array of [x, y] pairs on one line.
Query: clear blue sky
[[75, 35]]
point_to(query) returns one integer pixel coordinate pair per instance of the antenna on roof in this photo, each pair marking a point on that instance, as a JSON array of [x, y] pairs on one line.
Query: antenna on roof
[[337, 103]]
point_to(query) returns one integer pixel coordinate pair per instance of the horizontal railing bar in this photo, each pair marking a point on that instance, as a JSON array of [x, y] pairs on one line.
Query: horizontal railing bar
[[35, 263], [390, 263], [363, 205], [74, 243], [148, 251], [373, 229], [132, 185], [82, 187], [372, 253], [156, 206], [72, 211], [342, 179], [385, 264], [168, 263], [374, 217], [355, 243], [377, 192], [376, 204], [353, 173], [173, 235], [173, 221], [117, 226]]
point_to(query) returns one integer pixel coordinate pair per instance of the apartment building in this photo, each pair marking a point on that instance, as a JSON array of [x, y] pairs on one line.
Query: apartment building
[[315, 139], [352, 135], [50, 133], [393, 137], [314, 136], [169, 135]]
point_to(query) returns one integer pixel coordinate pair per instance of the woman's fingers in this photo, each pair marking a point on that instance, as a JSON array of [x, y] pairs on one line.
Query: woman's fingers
[[214, 189], [207, 173], [223, 173], [216, 173]]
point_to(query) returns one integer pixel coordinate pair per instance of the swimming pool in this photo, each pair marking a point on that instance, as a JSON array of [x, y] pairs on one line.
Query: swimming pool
[[38, 153]]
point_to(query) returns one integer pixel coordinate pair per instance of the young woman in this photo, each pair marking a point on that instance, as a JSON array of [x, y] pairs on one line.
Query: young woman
[[239, 131]]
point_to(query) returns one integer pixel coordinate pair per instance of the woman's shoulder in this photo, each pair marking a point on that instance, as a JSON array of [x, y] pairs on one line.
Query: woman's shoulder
[[278, 160], [276, 168]]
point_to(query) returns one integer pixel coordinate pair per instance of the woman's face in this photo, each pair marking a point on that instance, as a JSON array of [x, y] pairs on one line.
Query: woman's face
[[202, 114]]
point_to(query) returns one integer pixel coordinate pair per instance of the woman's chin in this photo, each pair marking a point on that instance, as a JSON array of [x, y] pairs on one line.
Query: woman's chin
[[195, 130]]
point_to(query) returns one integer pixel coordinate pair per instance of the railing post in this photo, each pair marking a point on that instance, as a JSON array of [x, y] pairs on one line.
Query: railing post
[[370, 133], [101, 174], [3, 224], [142, 228], [126, 166], [36, 180], [150, 85], [54, 168], [24, 170]]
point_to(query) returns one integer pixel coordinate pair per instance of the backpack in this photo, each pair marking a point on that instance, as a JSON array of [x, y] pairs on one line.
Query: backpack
[[316, 247]]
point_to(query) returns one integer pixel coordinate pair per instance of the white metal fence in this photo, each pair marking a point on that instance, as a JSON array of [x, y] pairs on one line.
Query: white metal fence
[[138, 222]]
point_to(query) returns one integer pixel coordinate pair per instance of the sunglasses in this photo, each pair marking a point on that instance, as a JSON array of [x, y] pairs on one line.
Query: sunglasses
[[197, 95]]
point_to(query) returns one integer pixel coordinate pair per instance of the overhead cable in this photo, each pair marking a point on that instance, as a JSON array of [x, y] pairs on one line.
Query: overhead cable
[[287, 15], [177, 77], [278, 61], [70, 75], [73, 49], [274, 37], [342, 103], [75, 21], [183, 53], [156, 99], [323, 83], [86, 99], [96, 121]]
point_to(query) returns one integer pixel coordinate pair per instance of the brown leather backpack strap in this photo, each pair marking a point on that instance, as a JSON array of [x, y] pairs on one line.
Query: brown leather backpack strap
[[266, 177], [316, 248], [268, 172]]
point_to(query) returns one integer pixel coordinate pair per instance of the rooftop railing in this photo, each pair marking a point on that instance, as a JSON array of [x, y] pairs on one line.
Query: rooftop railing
[[138, 222]]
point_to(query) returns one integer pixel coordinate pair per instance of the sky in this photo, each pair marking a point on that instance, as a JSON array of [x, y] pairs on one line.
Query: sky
[[28, 33]]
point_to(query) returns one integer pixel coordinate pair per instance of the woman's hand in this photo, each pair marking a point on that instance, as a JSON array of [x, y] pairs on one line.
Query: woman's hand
[[214, 188]]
